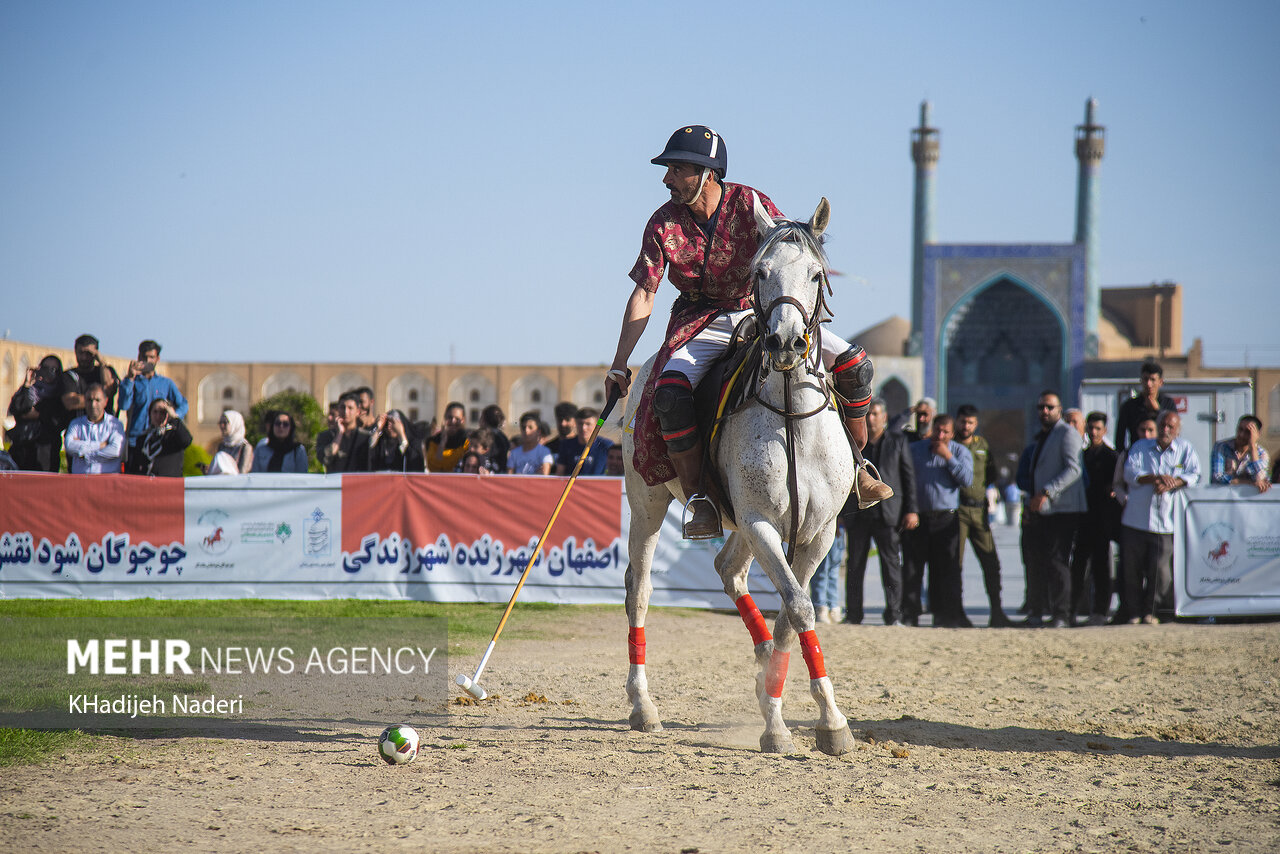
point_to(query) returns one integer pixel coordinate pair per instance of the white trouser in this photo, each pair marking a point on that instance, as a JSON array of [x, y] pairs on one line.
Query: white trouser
[[695, 357]]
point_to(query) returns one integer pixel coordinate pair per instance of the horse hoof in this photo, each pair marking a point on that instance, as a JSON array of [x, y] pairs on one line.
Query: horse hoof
[[835, 742], [641, 722], [776, 744]]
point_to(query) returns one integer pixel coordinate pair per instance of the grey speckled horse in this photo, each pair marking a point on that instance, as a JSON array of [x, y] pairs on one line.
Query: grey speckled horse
[[789, 273]]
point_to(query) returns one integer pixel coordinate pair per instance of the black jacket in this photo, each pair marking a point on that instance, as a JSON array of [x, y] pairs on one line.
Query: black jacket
[[892, 458]]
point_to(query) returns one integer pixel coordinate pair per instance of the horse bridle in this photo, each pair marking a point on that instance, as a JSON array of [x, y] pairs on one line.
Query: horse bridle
[[812, 364]]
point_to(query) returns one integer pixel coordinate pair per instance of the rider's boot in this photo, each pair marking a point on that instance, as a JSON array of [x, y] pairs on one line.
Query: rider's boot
[[701, 518], [853, 374], [673, 404]]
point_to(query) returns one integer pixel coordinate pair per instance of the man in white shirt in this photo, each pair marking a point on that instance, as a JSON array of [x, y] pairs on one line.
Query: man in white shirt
[[1157, 473], [95, 440]]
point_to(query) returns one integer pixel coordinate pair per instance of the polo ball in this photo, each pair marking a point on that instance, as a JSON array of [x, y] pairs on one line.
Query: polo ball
[[398, 744]]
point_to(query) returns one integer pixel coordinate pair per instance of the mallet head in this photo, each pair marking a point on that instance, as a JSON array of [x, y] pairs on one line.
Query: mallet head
[[475, 689]]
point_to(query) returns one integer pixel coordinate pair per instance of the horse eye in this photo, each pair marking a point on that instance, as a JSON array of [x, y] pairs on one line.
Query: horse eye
[[760, 274]]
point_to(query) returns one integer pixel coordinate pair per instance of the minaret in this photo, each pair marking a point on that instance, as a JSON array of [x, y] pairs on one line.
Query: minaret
[[924, 153], [1090, 145]]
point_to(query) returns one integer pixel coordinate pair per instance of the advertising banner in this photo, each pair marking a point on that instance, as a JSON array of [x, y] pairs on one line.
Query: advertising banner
[[1227, 553], [440, 538]]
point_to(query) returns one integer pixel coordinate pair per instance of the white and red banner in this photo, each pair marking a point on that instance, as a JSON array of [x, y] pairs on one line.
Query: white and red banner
[[1227, 552], [441, 538]]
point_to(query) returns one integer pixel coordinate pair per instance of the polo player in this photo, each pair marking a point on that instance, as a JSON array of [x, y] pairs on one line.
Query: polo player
[[704, 239]]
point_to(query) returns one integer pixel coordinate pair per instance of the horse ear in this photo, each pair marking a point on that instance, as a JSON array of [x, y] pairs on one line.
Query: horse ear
[[764, 222], [821, 217]]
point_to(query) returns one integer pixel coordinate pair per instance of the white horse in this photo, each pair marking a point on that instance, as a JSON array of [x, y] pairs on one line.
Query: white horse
[[793, 407]]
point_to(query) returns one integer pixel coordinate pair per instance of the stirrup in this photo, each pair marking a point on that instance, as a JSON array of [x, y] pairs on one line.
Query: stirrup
[[885, 491], [694, 503]]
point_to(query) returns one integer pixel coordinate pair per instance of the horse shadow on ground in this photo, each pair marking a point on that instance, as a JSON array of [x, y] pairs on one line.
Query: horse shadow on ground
[[949, 736]]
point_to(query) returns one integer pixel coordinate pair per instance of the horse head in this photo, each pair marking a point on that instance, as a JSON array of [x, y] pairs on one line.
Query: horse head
[[789, 272]]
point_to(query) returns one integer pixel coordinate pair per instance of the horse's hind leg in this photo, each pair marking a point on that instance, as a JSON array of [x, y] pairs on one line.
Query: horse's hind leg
[[733, 563], [648, 507]]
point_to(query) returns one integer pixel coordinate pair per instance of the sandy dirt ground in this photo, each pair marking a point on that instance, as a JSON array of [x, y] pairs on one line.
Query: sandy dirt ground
[[1143, 738]]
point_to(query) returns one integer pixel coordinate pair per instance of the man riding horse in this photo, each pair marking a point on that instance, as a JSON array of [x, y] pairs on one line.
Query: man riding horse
[[705, 238]]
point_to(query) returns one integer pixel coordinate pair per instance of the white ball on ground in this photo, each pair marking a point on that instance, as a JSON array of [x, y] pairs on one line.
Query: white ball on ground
[[398, 744]]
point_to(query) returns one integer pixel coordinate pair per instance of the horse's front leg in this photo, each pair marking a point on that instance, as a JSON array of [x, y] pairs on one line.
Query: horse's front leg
[[732, 563], [797, 619], [648, 507]]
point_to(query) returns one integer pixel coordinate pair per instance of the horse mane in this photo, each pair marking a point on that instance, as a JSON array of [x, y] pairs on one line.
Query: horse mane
[[792, 231]]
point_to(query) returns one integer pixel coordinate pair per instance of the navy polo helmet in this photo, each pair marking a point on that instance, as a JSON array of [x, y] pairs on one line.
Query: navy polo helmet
[[696, 144]]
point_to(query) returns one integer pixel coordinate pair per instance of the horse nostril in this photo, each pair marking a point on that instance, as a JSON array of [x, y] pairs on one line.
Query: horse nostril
[[773, 342], [798, 345]]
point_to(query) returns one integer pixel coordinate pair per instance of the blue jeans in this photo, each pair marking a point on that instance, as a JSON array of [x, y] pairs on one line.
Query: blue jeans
[[824, 587]]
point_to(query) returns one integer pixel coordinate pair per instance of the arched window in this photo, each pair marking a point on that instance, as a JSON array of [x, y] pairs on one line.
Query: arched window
[[413, 395], [1273, 411], [535, 396], [228, 393]]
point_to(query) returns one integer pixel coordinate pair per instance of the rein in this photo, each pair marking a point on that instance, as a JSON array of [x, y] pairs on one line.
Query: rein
[[812, 365]]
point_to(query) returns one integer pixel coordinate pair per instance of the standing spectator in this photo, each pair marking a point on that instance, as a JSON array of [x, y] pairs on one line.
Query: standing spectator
[[1120, 491], [942, 467], [446, 449], [824, 586], [1055, 508], [1242, 459], [328, 437], [394, 446], [140, 386], [280, 450], [39, 418], [884, 523], [566, 426], [1091, 557], [89, 369], [95, 440], [1075, 418], [571, 448], [975, 523], [163, 445], [914, 421], [530, 456], [1158, 471], [495, 419], [368, 418], [234, 444], [1149, 404], [349, 449]]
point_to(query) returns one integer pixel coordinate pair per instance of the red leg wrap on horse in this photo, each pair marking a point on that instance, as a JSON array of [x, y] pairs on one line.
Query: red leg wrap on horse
[[635, 644], [812, 654], [776, 675], [753, 618]]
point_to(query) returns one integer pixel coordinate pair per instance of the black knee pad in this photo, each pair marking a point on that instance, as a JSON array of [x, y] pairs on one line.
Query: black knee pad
[[854, 374], [673, 404]]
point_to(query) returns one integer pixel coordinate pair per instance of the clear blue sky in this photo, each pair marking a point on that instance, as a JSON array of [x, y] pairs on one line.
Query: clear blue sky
[[422, 181]]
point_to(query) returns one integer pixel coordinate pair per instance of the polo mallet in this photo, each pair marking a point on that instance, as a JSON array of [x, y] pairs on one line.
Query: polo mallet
[[472, 684]]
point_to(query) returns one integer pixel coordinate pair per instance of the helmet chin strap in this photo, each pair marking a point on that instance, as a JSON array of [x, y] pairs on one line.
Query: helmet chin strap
[[706, 173]]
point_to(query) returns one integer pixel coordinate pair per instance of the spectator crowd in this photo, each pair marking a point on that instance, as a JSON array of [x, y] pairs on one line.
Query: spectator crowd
[[103, 423], [1073, 494]]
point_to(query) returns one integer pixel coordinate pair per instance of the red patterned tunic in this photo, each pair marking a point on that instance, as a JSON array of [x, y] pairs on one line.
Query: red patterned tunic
[[709, 284]]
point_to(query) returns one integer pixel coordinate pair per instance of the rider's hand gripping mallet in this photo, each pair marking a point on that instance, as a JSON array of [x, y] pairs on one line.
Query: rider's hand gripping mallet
[[472, 684]]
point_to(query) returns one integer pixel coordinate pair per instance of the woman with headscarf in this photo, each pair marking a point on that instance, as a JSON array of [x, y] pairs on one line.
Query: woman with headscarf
[[394, 446], [280, 450], [39, 418], [164, 442], [233, 444]]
